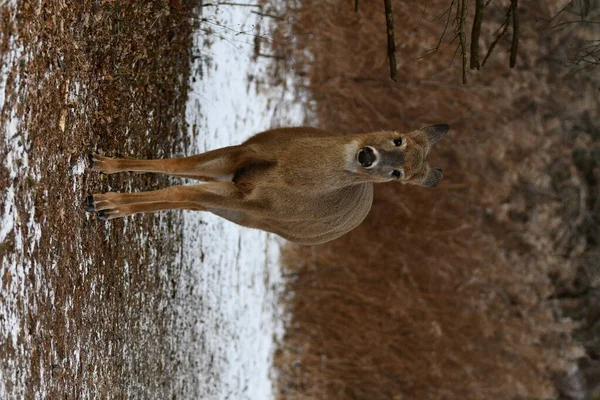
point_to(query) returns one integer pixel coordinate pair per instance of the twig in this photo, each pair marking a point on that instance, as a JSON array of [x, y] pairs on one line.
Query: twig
[[514, 47], [463, 39], [270, 56], [589, 54], [505, 25], [561, 10], [475, 32], [577, 21], [237, 32], [263, 14], [230, 4], [437, 47], [391, 43]]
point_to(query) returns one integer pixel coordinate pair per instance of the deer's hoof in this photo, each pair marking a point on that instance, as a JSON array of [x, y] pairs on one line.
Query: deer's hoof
[[90, 160], [90, 204], [102, 215]]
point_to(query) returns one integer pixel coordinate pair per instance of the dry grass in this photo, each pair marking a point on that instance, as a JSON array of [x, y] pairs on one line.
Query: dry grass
[[440, 293]]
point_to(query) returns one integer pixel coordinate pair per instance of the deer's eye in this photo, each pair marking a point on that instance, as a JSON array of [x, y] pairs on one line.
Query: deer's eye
[[398, 142], [396, 174]]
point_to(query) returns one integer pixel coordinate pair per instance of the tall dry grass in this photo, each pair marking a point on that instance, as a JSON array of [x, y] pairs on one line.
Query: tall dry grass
[[441, 293]]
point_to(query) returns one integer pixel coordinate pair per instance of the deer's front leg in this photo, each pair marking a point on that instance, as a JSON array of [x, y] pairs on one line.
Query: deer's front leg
[[219, 165]]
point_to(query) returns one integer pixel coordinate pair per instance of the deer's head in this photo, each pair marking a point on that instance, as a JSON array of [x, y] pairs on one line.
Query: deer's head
[[392, 156]]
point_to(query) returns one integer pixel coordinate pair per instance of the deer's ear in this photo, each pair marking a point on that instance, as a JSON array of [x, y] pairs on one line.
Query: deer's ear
[[435, 132], [432, 178]]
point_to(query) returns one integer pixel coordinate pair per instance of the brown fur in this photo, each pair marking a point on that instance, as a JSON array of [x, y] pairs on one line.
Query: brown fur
[[303, 184]]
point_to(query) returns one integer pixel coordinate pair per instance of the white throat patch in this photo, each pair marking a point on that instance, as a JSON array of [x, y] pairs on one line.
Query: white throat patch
[[350, 151]]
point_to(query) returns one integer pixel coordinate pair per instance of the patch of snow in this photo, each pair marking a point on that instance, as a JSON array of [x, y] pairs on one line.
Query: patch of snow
[[79, 168], [77, 172], [7, 223], [13, 266]]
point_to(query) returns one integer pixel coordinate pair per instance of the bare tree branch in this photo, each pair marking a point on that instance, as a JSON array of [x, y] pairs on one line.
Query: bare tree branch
[[475, 33], [463, 38], [514, 47], [437, 46], [391, 47], [505, 25], [263, 14], [561, 10], [230, 4], [270, 56], [577, 21]]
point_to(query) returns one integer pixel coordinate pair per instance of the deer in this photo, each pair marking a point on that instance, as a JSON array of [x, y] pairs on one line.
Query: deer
[[307, 185]]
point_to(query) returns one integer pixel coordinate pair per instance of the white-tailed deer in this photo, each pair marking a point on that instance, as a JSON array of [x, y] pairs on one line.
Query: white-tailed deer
[[306, 185]]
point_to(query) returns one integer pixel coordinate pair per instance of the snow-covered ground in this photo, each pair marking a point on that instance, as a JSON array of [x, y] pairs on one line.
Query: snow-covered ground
[[13, 265], [226, 316]]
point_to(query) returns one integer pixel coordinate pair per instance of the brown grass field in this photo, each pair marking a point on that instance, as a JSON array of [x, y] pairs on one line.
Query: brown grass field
[[474, 289]]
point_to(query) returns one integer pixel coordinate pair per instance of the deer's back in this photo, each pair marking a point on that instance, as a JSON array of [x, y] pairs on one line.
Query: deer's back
[[281, 136]]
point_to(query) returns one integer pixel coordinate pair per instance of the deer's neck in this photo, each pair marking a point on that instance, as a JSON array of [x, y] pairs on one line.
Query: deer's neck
[[325, 164]]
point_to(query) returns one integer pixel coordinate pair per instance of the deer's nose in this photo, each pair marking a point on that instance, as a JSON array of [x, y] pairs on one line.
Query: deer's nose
[[366, 157]]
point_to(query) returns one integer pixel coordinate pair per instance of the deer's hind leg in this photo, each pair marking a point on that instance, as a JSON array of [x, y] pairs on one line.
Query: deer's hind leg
[[221, 198], [216, 165], [141, 208]]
